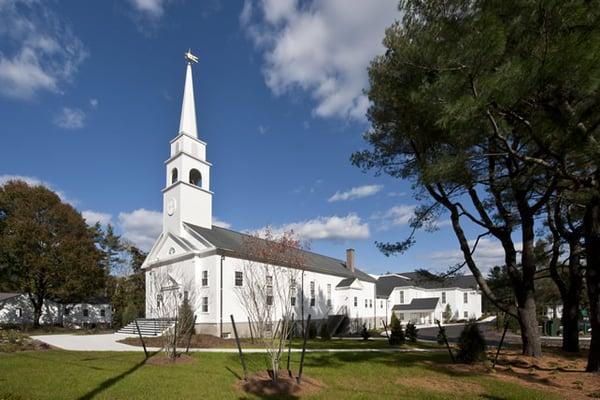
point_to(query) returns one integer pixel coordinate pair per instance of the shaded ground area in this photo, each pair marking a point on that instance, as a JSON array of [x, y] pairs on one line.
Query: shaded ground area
[[208, 342], [492, 336], [113, 375]]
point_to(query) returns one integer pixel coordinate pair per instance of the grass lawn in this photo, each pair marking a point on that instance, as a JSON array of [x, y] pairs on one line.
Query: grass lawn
[[56, 374]]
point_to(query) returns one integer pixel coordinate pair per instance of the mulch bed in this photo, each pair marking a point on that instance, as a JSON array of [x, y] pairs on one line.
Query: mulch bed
[[262, 385], [557, 372]]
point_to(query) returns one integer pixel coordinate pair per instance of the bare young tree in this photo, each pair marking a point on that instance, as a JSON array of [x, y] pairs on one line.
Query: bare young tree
[[270, 291], [173, 293]]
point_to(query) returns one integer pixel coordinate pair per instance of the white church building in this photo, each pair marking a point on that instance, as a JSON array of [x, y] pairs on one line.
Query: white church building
[[206, 264]]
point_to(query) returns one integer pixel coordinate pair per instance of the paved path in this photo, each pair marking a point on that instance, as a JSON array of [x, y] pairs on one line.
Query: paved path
[[110, 342]]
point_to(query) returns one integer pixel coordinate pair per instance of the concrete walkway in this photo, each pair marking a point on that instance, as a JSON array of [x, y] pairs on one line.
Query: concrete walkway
[[109, 342]]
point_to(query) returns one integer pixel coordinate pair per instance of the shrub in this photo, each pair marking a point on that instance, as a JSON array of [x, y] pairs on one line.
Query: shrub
[[447, 315], [365, 332], [471, 344], [129, 314], [411, 332], [312, 331], [185, 319], [325, 335], [396, 334]]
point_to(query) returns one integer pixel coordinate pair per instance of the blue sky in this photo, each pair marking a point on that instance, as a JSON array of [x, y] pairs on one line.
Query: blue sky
[[90, 95]]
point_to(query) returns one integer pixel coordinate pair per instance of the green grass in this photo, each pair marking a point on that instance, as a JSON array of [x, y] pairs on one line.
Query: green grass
[[102, 375]]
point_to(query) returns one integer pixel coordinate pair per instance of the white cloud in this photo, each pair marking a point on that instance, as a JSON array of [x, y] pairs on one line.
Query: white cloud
[[38, 51], [149, 8], [322, 47], [217, 222], [396, 216], [489, 253], [94, 103], [33, 181], [91, 217], [141, 227], [262, 129], [328, 228], [356, 193], [70, 118]]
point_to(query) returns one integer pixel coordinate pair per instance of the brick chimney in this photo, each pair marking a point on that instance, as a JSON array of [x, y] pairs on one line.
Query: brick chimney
[[350, 259]]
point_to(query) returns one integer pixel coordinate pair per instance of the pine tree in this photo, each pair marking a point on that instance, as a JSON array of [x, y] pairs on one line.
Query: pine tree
[[397, 334]]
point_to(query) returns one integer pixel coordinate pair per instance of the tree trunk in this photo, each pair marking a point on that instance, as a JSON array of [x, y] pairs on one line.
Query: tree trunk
[[570, 323], [532, 345], [592, 246], [37, 314]]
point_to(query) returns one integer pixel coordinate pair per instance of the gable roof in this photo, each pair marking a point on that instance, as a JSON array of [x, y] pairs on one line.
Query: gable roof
[[425, 303], [233, 242], [386, 283], [7, 295]]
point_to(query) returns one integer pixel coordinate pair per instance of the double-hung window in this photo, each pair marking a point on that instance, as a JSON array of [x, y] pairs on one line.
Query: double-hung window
[[443, 297], [355, 301], [329, 295], [239, 278], [269, 281], [312, 293], [466, 297], [205, 278], [293, 290], [205, 304]]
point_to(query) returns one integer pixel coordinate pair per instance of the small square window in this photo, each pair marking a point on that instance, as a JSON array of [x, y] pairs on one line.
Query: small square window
[[86, 312], [103, 313]]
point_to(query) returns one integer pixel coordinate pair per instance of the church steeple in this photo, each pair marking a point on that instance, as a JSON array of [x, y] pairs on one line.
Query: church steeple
[[187, 123], [187, 196]]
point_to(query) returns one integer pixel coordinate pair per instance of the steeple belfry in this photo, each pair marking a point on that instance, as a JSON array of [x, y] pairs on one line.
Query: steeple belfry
[[187, 123]]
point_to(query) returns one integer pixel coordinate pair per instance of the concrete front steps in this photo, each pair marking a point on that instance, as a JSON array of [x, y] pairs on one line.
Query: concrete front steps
[[148, 327]]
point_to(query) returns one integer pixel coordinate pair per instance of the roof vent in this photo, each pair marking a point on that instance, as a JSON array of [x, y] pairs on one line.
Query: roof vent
[[350, 259]]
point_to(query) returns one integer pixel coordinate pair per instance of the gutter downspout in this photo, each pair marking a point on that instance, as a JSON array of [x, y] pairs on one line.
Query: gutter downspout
[[221, 300]]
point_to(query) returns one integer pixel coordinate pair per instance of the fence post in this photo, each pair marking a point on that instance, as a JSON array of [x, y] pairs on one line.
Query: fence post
[[306, 329], [141, 338], [237, 339], [500, 345]]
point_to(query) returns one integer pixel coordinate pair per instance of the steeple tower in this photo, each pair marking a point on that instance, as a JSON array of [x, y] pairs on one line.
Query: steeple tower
[[187, 123], [187, 196]]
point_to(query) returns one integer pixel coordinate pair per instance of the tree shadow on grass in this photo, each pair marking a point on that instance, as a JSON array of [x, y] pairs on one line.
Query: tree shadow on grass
[[110, 382]]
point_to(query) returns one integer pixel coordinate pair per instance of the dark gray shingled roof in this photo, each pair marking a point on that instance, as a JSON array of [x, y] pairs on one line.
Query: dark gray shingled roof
[[425, 303], [6, 296], [233, 242], [386, 284], [345, 282]]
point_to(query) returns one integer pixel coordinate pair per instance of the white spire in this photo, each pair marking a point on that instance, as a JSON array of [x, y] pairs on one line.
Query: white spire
[[187, 123]]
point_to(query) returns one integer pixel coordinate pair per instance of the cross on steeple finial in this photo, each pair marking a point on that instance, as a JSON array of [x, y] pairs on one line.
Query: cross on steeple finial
[[189, 57]]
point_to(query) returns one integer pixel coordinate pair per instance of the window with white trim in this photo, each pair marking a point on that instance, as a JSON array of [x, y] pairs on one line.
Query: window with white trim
[[205, 278], [239, 278], [86, 312], [443, 297], [312, 293], [370, 303], [293, 290], [103, 313], [19, 312], [366, 303], [402, 297], [466, 297], [269, 290], [329, 295], [355, 301], [466, 314], [205, 304]]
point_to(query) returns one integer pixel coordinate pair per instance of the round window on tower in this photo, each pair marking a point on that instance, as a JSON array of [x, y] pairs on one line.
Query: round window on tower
[[195, 178], [174, 175]]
